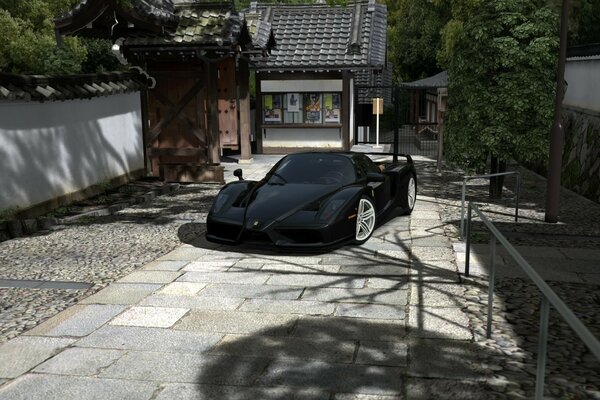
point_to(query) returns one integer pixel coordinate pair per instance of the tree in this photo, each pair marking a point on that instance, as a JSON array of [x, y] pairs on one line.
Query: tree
[[502, 81], [414, 36], [28, 44]]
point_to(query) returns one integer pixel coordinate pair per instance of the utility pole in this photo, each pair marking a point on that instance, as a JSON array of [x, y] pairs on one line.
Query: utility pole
[[557, 134]]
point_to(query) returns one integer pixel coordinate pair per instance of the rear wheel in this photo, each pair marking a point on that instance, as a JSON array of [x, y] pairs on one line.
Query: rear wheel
[[411, 194], [365, 220]]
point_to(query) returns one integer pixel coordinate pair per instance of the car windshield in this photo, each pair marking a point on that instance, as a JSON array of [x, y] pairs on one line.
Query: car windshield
[[321, 169]]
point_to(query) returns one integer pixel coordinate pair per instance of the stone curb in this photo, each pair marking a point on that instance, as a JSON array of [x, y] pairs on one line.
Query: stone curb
[[16, 228]]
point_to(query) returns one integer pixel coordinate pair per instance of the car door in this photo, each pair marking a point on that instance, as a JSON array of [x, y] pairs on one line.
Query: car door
[[380, 191]]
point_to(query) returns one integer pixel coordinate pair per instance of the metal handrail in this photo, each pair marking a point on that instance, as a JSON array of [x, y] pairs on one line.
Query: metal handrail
[[464, 194], [549, 298]]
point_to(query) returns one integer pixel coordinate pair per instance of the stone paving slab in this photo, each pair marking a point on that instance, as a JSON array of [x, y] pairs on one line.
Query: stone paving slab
[[287, 268], [53, 387], [225, 277], [150, 339], [339, 328], [382, 353], [252, 291], [305, 307], [192, 302], [150, 317], [429, 294], [79, 361], [186, 368], [286, 347], [181, 289], [79, 320], [439, 322], [206, 266], [365, 295], [317, 280], [150, 277], [372, 311], [388, 283], [374, 270], [121, 293], [335, 377], [182, 391], [164, 266], [236, 322], [429, 253], [26, 352], [427, 389], [445, 359]]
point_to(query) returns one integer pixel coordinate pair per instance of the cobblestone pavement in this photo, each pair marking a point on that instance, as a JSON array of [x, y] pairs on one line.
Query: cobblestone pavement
[[96, 251], [391, 319]]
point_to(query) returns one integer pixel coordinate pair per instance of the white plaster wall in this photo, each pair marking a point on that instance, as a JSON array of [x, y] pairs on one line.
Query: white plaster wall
[[583, 77], [302, 137], [56, 148]]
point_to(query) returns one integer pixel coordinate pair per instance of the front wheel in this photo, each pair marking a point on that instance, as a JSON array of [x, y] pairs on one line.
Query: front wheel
[[411, 194], [365, 220]]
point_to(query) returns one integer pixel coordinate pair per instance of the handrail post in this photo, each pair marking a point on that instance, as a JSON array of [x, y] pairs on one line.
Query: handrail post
[[491, 285], [517, 197], [468, 249], [462, 209], [543, 342]]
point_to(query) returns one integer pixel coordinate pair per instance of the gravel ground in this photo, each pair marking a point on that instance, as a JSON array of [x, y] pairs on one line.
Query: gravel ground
[[572, 372], [94, 250]]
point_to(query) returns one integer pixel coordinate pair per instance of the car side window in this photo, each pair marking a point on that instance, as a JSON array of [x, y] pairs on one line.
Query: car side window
[[363, 165]]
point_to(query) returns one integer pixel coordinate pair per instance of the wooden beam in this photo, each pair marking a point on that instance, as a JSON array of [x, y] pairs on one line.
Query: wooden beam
[[190, 124], [145, 127], [244, 100], [212, 100], [172, 114], [175, 151]]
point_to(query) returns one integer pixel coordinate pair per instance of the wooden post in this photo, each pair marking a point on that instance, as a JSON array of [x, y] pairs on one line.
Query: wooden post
[[145, 129], [258, 116], [213, 113], [346, 111], [244, 100]]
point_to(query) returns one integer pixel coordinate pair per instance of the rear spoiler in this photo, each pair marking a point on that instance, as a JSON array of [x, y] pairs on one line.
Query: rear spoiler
[[408, 157]]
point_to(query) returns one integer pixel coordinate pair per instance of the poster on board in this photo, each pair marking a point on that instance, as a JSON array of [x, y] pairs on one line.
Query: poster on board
[[332, 107], [312, 107], [293, 102], [272, 108]]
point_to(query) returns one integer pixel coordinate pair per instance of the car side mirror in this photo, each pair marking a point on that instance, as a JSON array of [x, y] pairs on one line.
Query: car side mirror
[[238, 173], [375, 177]]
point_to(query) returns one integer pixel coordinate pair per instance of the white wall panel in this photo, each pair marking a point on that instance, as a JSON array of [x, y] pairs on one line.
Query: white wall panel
[[51, 149]]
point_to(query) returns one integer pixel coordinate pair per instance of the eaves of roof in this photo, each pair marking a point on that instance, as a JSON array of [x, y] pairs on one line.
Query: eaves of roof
[[42, 88]]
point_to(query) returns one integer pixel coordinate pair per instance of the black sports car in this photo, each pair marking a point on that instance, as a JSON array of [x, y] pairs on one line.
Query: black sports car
[[312, 200]]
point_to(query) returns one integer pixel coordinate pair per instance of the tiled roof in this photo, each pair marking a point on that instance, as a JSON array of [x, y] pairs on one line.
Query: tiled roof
[[197, 25], [319, 36], [156, 11], [436, 81], [584, 51], [50, 88]]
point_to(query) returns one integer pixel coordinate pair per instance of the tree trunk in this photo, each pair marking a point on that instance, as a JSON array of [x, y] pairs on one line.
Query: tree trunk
[[496, 183]]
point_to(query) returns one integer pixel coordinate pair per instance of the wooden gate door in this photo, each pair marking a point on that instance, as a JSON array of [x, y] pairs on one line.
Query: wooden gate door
[[228, 109], [178, 138]]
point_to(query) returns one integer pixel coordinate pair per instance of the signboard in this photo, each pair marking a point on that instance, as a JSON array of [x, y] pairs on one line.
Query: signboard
[[377, 106]]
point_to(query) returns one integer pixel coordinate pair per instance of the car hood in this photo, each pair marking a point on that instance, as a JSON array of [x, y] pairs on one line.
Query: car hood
[[273, 202]]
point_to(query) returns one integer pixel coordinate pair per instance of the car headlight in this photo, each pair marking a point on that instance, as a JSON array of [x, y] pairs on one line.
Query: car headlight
[[330, 209], [220, 202]]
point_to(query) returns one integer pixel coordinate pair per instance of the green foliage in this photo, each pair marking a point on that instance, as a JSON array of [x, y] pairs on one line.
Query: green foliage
[[502, 78], [28, 43], [414, 39], [8, 213]]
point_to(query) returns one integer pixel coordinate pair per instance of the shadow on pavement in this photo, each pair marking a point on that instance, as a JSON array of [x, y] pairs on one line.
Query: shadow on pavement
[[318, 358]]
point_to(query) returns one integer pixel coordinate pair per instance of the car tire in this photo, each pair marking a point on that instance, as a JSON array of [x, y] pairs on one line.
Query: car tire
[[411, 194], [365, 220]]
